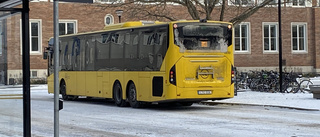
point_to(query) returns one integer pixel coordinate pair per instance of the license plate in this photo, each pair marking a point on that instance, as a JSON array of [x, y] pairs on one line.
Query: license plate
[[204, 92]]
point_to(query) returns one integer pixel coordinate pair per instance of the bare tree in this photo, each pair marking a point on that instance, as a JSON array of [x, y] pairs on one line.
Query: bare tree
[[196, 9]]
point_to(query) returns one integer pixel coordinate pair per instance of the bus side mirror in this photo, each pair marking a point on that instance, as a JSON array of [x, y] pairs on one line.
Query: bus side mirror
[[45, 55]]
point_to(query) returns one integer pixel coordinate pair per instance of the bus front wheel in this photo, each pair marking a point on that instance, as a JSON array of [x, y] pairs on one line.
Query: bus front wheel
[[117, 95], [132, 97]]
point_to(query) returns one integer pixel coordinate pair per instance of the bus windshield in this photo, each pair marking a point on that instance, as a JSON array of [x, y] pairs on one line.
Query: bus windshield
[[207, 37]]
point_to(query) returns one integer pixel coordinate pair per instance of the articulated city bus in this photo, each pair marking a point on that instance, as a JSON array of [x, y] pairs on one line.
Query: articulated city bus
[[137, 63]]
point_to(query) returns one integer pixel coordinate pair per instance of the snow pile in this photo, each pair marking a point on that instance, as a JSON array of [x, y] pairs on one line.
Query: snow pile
[[298, 100]]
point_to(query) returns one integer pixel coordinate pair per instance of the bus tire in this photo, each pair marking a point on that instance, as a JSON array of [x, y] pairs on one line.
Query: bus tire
[[63, 90], [117, 95], [132, 97], [186, 103]]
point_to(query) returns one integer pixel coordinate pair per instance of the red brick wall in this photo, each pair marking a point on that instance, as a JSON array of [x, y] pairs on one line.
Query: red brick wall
[[91, 18], [259, 59], [317, 37]]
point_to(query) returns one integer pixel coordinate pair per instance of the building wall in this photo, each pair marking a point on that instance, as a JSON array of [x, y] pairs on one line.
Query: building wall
[[317, 38], [91, 18], [3, 53]]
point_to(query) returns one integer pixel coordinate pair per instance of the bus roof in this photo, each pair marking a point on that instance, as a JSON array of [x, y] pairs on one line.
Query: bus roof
[[131, 24]]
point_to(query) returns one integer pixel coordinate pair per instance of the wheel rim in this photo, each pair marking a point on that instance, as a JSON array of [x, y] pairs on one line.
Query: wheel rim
[[118, 94], [63, 91], [132, 92], [304, 85]]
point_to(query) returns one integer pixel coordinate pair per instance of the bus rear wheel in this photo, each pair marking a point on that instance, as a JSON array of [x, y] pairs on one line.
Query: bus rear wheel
[[117, 95], [186, 103], [132, 97], [63, 91]]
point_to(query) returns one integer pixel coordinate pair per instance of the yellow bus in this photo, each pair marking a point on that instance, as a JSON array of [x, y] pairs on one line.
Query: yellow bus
[[138, 63]]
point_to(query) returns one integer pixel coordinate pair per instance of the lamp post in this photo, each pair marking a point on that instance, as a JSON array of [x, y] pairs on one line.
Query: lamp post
[[280, 45], [119, 13]]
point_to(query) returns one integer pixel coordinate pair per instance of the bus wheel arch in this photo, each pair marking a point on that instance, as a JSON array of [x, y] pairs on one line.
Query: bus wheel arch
[[63, 91], [117, 94]]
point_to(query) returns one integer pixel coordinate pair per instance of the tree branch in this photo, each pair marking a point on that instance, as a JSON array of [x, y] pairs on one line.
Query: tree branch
[[244, 15]]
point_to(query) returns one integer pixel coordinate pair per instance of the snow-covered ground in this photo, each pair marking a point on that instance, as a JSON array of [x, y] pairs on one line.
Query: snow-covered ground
[[294, 100], [297, 100], [102, 118]]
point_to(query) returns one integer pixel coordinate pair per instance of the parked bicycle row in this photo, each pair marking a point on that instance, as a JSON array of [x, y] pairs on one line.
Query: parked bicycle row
[[268, 81]]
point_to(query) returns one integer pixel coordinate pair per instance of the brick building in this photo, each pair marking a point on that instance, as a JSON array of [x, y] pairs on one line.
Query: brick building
[[256, 38]]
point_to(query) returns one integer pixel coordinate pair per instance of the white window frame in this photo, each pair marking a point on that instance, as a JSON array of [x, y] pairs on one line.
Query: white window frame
[[219, 3], [269, 38], [201, 1], [33, 74], [39, 22], [70, 21], [111, 19], [275, 3], [108, 1], [39, 52], [232, 3], [248, 39], [305, 50], [38, 0], [305, 3]]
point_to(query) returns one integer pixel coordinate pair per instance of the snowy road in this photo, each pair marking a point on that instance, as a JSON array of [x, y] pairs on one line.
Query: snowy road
[[90, 118]]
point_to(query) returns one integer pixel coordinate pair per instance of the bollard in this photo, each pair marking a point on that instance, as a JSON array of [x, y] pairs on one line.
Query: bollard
[[315, 90]]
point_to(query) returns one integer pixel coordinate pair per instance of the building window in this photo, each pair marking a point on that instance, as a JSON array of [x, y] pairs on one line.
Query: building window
[[34, 74], [1, 38], [241, 2], [298, 3], [35, 36], [270, 37], [242, 37], [108, 19], [67, 27], [38, 0], [299, 37], [109, 1]]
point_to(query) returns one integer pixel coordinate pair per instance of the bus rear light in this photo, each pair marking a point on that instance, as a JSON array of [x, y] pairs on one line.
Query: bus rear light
[[172, 75], [232, 75]]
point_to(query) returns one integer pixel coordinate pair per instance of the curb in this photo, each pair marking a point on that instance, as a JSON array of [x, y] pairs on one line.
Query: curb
[[244, 104]]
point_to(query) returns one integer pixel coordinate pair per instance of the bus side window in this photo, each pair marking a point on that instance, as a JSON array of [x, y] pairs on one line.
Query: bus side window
[[104, 38], [127, 38], [117, 45], [146, 49], [160, 46], [65, 57], [131, 46], [135, 40], [117, 50]]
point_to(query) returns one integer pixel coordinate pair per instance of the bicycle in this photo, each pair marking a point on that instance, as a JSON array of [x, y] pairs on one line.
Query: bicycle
[[295, 83], [241, 81], [304, 84]]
